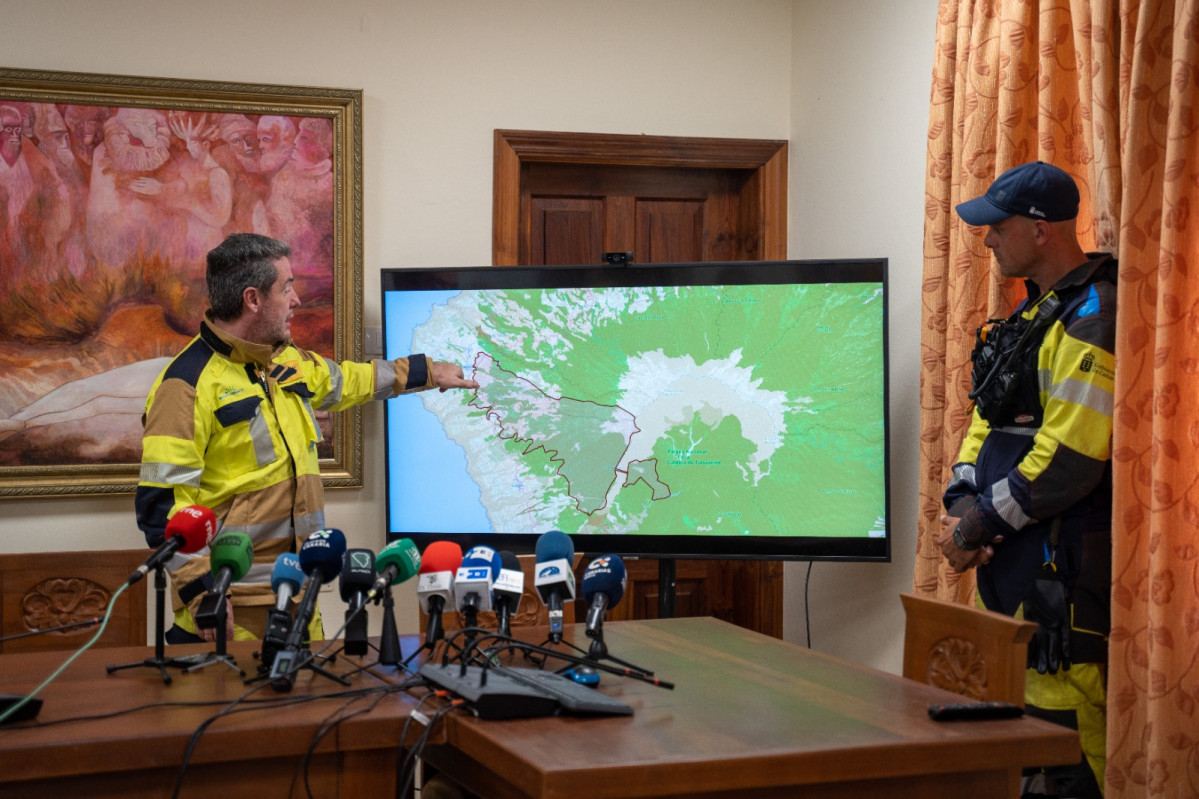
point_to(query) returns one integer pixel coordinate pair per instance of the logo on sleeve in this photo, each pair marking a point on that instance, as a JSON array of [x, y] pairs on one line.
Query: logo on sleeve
[[1088, 365]]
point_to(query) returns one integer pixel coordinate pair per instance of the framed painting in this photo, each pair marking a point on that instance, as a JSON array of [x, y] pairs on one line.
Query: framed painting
[[112, 190]]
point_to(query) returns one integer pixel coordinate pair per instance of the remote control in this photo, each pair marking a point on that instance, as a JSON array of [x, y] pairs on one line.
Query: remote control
[[966, 711]]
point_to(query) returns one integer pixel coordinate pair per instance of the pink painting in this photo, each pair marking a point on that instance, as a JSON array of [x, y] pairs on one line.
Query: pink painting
[[106, 214]]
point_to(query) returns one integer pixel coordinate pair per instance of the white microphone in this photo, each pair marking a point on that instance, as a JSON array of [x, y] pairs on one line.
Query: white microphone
[[474, 579], [554, 576], [508, 589]]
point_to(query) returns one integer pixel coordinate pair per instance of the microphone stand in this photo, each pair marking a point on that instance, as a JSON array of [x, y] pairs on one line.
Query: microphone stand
[[434, 630], [599, 651], [303, 659], [637, 674], [221, 655], [278, 625], [159, 660], [389, 638], [62, 628]]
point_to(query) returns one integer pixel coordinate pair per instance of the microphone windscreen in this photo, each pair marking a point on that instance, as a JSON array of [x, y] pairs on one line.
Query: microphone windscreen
[[441, 556], [483, 557], [321, 555], [357, 573], [604, 575], [401, 554], [234, 550], [196, 524], [509, 561], [554, 545], [287, 572]]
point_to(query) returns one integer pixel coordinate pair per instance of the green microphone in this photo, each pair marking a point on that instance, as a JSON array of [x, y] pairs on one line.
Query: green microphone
[[230, 555], [396, 562]]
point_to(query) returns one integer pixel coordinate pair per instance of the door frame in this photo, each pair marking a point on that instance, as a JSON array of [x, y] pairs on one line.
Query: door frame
[[767, 158]]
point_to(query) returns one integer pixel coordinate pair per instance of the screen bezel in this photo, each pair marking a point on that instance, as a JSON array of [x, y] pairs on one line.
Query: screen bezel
[[871, 270]]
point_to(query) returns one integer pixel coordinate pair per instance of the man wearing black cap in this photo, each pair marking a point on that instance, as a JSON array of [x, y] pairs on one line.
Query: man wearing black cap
[[1029, 501]]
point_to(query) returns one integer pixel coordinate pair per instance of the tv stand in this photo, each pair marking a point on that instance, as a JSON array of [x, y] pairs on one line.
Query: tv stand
[[667, 585]]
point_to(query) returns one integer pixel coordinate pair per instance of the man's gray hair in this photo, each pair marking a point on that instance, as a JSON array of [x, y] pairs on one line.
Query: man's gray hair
[[240, 261]]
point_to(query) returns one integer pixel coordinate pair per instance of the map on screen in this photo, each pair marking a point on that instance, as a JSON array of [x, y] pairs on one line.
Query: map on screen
[[724, 410]]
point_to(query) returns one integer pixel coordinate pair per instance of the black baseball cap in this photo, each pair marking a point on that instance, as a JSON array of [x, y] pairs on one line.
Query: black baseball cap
[[1036, 190]]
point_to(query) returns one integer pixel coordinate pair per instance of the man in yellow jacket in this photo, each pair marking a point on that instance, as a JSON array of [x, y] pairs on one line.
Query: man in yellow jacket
[[230, 424], [1030, 500]]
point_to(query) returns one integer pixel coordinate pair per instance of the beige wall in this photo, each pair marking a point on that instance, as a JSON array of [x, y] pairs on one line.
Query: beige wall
[[862, 73], [439, 77]]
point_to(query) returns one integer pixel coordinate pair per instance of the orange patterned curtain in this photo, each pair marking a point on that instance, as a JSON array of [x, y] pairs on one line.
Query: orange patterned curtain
[[1109, 91]]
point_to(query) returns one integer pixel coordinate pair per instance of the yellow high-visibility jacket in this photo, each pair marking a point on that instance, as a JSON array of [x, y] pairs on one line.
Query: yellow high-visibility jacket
[[1043, 480], [231, 426]]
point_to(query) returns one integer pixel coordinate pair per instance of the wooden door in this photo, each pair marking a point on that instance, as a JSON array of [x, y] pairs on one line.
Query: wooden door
[[568, 198]]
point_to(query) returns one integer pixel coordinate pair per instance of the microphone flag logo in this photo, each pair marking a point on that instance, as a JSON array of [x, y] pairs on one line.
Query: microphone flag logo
[[549, 571], [360, 560], [319, 539]]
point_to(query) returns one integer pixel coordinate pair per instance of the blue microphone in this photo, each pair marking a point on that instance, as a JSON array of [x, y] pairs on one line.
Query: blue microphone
[[286, 579], [554, 577], [603, 586], [321, 558]]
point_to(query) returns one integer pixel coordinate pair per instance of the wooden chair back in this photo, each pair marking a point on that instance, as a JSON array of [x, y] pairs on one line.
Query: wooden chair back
[[40, 590], [970, 651]]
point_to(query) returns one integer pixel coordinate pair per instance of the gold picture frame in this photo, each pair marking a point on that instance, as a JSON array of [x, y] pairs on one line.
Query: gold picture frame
[[112, 188]]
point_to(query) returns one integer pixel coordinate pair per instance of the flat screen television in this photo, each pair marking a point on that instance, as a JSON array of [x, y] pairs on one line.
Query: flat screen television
[[697, 410]]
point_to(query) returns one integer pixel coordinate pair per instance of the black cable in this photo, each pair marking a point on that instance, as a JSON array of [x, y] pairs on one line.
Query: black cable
[[403, 753], [620, 671], [807, 617], [38, 724], [408, 777], [333, 720], [194, 741], [233, 707]]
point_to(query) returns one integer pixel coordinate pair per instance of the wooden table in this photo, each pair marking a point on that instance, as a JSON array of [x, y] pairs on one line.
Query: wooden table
[[750, 716], [253, 754]]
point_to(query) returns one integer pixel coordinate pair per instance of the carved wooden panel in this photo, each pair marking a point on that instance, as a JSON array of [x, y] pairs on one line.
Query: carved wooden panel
[[957, 665], [964, 649], [43, 590]]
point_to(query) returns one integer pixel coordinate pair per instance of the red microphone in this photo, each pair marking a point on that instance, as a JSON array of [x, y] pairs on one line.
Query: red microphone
[[189, 530], [435, 583]]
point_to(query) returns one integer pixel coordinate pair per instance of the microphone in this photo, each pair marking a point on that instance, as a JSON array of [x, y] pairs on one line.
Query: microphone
[[286, 579], [397, 562], [472, 583], [189, 530], [554, 576], [435, 583], [508, 589], [603, 586], [230, 555], [357, 576], [321, 559]]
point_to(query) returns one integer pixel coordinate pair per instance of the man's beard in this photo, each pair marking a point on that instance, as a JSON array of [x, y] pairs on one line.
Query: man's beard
[[273, 160], [130, 157]]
